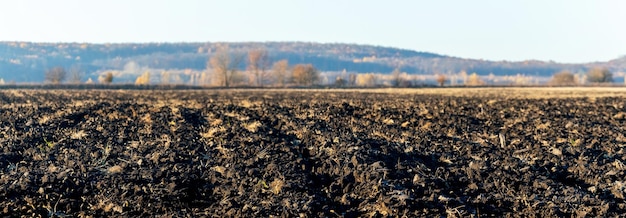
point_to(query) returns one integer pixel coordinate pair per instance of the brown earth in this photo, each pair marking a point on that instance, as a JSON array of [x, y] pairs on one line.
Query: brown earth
[[310, 154]]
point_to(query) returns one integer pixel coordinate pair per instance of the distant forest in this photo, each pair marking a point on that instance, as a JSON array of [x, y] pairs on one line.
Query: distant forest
[[24, 62]]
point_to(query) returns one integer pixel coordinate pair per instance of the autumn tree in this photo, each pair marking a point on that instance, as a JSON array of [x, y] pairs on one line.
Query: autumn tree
[[258, 62], [55, 75], [599, 75], [280, 72], [441, 79], [305, 74], [368, 79], [106, 78], [563, 78], [224, 66]]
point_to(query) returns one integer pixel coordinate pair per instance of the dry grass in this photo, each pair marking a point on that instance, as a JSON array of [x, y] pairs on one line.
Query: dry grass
[[212, 132], [219, 169], [520, 92], [388, 121], [146, 119], [277, 185], [80, 134], [115, 169], [426, 126], [253, 126], [504, 92], [249, 104]]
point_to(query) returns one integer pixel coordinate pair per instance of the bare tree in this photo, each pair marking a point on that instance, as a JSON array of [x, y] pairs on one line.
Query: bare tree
[[258, 62], [600, 75], [55, 75], [396, 78], [280, 70], [205, 77], [76, 74], [225, 65], [352, 79], [464, 76], [165, 77], [305, 74]]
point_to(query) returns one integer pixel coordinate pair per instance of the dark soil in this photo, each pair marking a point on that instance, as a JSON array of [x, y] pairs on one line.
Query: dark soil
[[308, 154]]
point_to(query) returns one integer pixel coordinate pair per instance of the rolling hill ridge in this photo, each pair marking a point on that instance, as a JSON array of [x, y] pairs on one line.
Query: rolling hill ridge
[[26, 61]]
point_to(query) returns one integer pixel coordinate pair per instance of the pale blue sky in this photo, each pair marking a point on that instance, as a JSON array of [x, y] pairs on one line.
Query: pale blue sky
[[559, 30]]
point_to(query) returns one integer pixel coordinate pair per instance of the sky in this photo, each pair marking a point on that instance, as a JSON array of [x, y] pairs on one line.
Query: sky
[[569, 31]]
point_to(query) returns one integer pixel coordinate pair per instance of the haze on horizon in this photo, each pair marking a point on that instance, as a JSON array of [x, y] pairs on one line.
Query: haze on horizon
[[563, 31]]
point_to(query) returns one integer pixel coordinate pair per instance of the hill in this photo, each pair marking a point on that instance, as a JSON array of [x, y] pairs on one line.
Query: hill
[[26, 61]]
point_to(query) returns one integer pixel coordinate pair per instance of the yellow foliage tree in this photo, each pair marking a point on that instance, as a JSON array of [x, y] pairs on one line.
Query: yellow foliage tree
[[144, 79], [368, 79], [474, 80]]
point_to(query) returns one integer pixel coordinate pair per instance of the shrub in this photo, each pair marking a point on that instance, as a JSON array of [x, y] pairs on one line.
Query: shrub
[[563, 78], [599, 75]]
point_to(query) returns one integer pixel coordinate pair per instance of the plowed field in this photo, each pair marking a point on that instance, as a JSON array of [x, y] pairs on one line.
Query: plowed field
[[311, 153]]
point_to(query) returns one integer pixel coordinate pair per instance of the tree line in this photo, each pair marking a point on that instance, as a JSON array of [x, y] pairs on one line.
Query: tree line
[[25, 62], [223, 68], [255, 68], [597, 75], [223, 71]]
